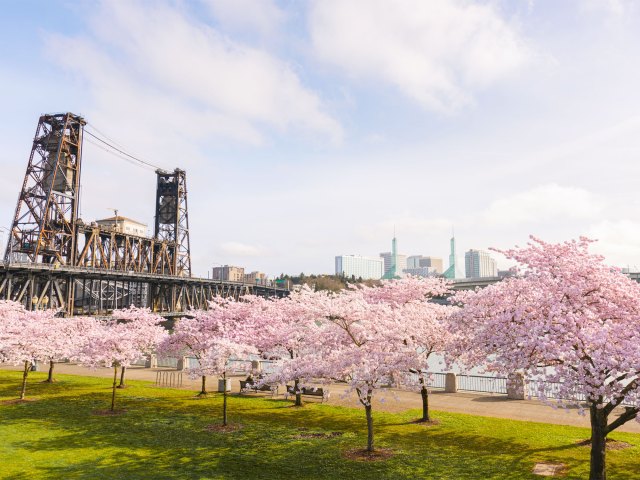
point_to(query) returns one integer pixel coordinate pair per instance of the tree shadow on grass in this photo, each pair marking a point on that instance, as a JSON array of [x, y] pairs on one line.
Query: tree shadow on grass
[[174, 444], [165, 437], [11, 382]]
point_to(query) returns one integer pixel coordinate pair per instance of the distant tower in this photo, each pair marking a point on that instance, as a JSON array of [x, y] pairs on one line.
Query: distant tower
[[393, 269], [172, 220], [451, 271], [44, 224]]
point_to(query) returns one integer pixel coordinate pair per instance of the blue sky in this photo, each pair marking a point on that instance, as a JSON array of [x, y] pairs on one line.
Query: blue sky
[[310, 129]]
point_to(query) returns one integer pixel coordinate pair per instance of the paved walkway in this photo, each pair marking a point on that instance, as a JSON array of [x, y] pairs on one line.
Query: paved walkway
[[487, 405]]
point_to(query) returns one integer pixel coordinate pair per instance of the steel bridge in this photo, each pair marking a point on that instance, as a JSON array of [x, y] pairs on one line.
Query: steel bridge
[[55, 260]]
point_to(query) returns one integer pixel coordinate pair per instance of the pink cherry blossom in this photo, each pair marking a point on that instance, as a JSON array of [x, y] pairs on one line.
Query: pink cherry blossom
[[213, 337], [568, 318], [117, 342], [27, 337]]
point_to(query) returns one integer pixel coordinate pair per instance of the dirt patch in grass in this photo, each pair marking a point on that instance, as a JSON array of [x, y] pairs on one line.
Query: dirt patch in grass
[[219, 428], [17, 401], [307, 435], [429, 423], [549, 469], [362, 455], [202, 396], [611, 444], [108, 412]]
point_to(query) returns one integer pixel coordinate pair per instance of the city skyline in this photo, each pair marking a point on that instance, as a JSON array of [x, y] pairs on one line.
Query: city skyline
[[525, 124]]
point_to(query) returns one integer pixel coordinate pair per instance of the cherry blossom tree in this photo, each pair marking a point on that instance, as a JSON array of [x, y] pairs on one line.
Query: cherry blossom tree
[[64, 341], [119, 341], [422, 327], [354, 347], [420, 324], [567, 318], [284, 329], [11, 322], [213, 336], [188, 339], [27, 337]]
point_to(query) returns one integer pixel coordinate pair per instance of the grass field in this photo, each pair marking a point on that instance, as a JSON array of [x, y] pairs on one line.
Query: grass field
[[163, 434]]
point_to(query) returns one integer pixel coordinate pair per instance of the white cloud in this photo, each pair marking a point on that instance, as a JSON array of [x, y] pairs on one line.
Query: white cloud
[[610, 7], [238, 249], [618, 242], [544, 203], [263, 17], [170, 65], [435, 52]]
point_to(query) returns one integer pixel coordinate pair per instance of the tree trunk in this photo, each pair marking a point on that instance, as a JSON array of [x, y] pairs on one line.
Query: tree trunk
[[50, 376], [598, 443], [425, 403], [224, 399], [115, 383], [25, 373], [367, 410], [296, 389], [122, 384], [203, 390]]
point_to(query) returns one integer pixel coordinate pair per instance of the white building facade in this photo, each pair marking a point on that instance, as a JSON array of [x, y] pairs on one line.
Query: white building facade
[[124, 225], [359, 267], [479, 264]]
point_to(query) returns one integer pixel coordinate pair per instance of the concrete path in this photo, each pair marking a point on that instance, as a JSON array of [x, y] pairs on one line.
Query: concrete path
[[487, 405]]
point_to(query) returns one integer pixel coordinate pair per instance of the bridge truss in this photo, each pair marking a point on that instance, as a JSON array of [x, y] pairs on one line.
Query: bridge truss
[[98, 291], [55, 260]]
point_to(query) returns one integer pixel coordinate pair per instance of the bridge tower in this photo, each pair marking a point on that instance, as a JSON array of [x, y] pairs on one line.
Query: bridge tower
[[44, 224], [172, 219]]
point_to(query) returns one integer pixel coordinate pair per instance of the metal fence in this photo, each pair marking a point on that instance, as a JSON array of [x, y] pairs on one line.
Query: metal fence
[[434, 380], [167, 362], [553, 389], [437, 380], [238, 367], [140, 362], [478, 383]]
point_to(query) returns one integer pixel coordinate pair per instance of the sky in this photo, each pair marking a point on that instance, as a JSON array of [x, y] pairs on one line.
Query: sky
[[314, 129]]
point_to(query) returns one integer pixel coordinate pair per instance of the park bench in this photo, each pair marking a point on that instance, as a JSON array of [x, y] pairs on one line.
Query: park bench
[[317, 392], [248, 386]]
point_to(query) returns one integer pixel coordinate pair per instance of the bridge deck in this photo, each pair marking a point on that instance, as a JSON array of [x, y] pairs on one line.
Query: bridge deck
[[96, 291]]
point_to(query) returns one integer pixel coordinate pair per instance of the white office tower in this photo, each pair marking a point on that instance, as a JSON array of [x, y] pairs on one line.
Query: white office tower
[[479, 264], [359, 267]]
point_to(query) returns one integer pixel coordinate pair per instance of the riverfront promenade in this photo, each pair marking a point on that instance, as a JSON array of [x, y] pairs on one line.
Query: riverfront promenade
[[488, 405]]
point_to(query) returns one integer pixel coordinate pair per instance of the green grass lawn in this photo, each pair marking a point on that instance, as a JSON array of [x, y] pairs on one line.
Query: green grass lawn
[[163, 434]]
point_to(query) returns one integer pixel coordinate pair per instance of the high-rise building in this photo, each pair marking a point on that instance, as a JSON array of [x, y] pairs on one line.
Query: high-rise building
[[478, 264], [359, 267], [228, 273]]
